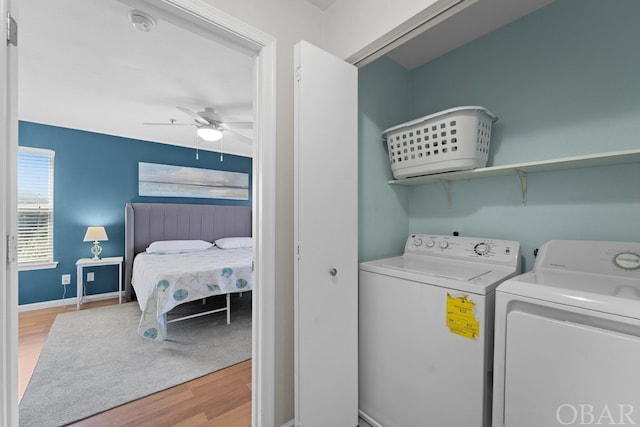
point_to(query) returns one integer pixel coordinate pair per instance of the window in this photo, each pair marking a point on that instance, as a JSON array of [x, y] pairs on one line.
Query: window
[[35, 208]]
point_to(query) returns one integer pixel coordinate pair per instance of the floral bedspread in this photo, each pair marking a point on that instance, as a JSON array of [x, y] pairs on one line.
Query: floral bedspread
[[163, 281]]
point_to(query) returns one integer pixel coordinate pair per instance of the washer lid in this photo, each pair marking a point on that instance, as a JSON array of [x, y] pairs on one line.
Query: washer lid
[[441, 268], [471, 277]]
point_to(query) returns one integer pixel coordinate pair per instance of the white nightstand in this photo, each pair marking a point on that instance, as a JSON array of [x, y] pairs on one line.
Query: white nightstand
[[88, 262]]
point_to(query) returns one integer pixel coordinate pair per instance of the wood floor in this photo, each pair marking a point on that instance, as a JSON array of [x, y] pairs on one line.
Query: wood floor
[[221, 399]]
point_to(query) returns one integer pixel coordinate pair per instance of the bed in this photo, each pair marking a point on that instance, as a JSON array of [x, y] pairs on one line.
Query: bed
[[161, 282]]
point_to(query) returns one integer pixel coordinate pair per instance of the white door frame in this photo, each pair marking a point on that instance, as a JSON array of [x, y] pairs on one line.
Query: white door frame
[[198, 14], [8, 223], [263, 340]]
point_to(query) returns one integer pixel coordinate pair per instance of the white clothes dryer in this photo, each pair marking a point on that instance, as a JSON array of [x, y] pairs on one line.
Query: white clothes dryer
[[426, 331], [567, 338]]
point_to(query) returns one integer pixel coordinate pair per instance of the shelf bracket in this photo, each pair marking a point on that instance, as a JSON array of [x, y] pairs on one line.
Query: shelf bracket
[[523, 186], [448, 187]]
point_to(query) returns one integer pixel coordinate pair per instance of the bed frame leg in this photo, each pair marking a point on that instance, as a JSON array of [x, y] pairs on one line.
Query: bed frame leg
[[228, 309]]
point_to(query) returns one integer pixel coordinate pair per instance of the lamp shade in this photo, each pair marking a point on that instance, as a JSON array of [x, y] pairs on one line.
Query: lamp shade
[[95, 234], [209, 133]]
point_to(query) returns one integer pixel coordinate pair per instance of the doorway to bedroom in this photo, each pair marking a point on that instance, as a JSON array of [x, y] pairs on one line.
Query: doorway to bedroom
[[198, 150]]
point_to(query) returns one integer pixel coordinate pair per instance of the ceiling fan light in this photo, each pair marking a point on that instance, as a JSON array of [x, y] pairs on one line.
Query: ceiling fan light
[[209, 133]]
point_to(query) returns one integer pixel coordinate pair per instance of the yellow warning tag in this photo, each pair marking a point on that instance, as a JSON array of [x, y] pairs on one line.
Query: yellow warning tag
[[460, 317]]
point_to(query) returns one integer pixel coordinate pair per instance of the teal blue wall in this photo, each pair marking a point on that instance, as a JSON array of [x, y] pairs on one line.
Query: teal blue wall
[[383, 90], [564, 81], [95, 176]]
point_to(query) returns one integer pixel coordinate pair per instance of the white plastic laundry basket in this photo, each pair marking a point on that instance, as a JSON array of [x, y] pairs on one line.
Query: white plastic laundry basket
[[451, 140]]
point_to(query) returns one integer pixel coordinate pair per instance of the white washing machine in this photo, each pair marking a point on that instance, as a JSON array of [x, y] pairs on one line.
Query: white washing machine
[[426, 331], [567, 338]]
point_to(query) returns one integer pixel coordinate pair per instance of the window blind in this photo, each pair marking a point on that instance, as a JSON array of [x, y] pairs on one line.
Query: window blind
[[35, 206]]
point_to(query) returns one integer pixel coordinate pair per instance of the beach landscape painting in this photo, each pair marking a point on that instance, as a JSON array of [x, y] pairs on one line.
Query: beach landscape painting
[[157, 180]]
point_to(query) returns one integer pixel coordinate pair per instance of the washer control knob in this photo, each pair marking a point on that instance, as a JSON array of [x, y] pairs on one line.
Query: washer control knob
[[430, 243], [481, 248], [417, 241], [627, 260], [444, 244]]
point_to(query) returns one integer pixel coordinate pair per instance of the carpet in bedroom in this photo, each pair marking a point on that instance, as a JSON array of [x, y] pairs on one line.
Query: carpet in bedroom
[[94, 360]]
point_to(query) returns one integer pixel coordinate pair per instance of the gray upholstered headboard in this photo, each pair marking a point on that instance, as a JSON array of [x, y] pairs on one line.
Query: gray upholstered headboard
[[149, 222]]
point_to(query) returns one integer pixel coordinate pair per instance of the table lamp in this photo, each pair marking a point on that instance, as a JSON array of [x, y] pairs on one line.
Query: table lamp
[[95, 234]]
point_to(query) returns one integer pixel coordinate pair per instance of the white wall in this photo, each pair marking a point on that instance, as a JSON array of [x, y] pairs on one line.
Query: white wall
[[352, 25], [289, 22]]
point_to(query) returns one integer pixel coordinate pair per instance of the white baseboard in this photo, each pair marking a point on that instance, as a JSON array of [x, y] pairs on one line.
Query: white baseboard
[[292, 423], [65, 302]]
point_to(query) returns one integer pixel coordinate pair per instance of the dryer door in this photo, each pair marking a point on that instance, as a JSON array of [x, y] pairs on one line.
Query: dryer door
[[570, 368]]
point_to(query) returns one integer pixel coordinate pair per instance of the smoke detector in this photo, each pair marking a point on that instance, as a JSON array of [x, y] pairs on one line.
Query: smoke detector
[[142, 21]]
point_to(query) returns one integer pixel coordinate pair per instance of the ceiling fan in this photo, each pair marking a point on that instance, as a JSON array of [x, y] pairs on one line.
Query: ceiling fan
[[210, 126]]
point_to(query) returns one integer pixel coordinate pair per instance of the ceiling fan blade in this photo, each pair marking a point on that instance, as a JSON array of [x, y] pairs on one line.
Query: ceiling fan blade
[[237, 125], [239, 137], [199, 119], [170, 124], [211, 115]]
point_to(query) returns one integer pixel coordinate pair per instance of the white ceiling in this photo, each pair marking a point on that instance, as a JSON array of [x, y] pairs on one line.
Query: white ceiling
[[82, 65], [322, 4], [479, 18]]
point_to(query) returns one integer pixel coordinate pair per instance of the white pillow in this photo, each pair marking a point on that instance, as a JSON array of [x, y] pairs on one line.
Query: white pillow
[[234, 242], [178, 246]]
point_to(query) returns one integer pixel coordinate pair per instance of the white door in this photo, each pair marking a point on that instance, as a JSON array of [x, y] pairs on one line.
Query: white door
[[8, 207], [326, 229]]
